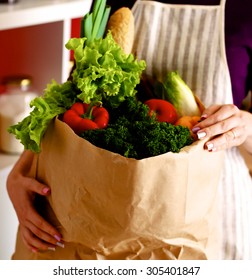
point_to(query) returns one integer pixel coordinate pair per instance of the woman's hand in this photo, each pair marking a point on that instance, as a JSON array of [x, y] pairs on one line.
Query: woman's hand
[[37, 233], [225, 126]]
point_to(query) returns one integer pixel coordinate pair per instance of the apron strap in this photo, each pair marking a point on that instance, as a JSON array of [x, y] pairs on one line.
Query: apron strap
[[135, 4], [222, 3]]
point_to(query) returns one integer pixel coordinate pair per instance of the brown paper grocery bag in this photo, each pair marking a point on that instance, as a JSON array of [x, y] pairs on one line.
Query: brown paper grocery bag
[[111, 207]]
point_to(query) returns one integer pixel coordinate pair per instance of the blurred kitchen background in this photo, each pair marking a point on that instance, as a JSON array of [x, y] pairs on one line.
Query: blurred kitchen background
[[33, 34]]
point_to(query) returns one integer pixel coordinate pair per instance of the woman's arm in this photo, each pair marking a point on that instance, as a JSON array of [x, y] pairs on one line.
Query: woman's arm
[[22, 188]]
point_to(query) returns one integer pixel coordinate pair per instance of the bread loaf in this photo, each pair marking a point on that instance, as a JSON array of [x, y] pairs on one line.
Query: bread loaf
[[121, 24]]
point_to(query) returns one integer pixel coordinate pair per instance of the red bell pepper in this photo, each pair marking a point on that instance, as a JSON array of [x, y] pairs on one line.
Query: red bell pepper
[[82, 116], [162, 109]]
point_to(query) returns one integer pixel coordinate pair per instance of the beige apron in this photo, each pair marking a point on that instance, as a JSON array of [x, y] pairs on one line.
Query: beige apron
[[190, 39]]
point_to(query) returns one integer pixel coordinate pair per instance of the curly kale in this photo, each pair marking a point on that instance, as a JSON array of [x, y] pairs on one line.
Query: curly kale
[[134, 134]]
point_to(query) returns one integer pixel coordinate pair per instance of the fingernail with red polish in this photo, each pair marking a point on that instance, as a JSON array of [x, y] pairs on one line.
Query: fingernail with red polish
[[58, 238], [203, 117], [195, 129], [46, 190]]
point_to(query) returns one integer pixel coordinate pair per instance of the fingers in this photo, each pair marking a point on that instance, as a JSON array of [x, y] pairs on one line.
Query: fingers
[[42, 229], [18, 180], [223, 125], [35, 186], [36, 244], [42, 233], [38, 233], [218, 113], [224, 141]]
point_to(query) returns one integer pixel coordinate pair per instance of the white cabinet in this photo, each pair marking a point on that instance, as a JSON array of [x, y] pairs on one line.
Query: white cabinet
[[33, 34]]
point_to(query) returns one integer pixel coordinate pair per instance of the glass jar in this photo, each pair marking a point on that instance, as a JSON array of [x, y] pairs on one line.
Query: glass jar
[[17, 84]]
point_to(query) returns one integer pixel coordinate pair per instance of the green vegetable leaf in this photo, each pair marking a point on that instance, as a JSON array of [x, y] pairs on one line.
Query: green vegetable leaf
[[132, 133], [56, 100], [180, 95], [104, 71], [93, 24], [103, 23], [87, 24]]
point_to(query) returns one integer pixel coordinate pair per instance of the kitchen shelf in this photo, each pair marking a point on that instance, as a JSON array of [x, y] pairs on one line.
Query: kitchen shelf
[[34, 12], [33, 35]]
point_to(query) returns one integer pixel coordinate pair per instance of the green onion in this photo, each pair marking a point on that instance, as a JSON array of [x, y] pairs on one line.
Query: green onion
[[93, 24], [104, 22], [97, 4], [87, 26]]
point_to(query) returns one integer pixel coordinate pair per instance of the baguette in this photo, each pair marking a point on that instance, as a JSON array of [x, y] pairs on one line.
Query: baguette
[[122, 27]]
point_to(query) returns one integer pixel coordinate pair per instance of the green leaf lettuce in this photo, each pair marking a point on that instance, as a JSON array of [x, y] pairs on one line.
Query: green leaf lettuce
[[54, 102], [104, 71]]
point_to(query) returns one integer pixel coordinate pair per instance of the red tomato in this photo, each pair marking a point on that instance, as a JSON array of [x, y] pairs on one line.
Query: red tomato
[[162, 109]]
